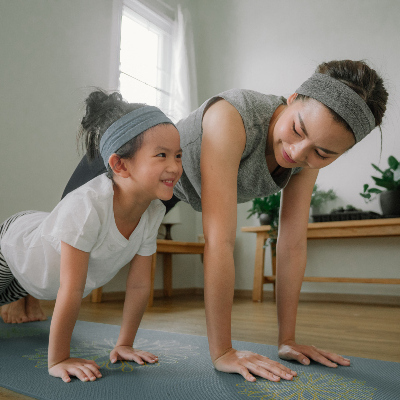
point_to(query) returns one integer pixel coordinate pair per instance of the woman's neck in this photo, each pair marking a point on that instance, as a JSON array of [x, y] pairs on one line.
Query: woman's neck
[[270, 159]]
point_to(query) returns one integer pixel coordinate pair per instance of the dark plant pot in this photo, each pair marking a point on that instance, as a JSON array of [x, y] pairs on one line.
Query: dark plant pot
[[265, 219], [390, 202]]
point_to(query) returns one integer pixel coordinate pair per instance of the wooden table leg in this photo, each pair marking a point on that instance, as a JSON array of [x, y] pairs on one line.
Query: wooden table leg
[[167, 275], [273, 263], [153, 273], [259, 268], [96, 295]]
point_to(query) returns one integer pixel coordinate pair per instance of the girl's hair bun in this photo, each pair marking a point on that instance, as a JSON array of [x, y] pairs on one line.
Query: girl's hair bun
[[102, 110]]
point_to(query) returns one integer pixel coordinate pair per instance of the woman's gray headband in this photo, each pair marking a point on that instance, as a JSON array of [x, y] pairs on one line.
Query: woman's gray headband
[[343, 100], [128, 127]]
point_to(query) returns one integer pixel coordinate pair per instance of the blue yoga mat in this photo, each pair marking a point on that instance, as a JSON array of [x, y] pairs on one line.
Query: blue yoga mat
[[184, 370]]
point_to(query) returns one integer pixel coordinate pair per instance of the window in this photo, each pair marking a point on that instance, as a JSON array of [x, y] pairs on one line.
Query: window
[[145, 55]]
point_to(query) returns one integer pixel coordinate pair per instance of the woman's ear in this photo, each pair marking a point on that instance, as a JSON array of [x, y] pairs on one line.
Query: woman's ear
[[118, 166], [291, 98]]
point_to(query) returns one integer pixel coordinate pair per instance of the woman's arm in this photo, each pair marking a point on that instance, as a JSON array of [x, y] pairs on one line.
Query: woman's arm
[[291, 263], [136, 299], [73, 272], [223, 143]]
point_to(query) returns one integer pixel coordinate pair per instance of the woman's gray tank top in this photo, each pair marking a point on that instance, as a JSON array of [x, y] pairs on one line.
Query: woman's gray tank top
[[254, 178]]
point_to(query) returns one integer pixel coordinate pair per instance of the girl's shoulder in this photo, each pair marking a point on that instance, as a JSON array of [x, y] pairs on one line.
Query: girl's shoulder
[[97, 188], [91, 200]]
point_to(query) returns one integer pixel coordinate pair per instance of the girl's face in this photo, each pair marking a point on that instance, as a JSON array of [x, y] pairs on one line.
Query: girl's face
[[306, 135], [157, 165]]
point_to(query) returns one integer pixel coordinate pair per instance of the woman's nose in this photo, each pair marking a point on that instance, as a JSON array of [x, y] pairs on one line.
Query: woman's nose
[[298, 152]]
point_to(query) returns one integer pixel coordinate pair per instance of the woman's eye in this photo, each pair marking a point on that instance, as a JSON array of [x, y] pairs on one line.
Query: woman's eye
[[294, 129], [320, 155], [161, 155], [179, 156]]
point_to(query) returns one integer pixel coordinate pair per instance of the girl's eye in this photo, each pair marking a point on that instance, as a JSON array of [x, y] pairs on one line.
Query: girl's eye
[[320, 156], [161, 155], [294, 129]]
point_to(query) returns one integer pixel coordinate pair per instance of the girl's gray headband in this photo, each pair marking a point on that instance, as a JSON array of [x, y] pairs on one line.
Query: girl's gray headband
[[343, 100], [128, 127]]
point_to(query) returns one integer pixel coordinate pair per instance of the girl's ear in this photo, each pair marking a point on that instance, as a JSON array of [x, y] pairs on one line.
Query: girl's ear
[[291, 98], [118, 166]]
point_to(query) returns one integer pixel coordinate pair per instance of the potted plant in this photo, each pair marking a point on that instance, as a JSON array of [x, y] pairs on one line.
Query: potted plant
[[267, 210], [389, 181], [319, 197]]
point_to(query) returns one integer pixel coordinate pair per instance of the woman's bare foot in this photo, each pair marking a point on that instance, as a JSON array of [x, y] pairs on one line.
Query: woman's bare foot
[[14, 313], [33, 309], [26, 309]]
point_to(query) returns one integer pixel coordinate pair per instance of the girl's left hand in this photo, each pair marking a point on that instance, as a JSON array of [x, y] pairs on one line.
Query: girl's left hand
[[303, 354], [128, 353]]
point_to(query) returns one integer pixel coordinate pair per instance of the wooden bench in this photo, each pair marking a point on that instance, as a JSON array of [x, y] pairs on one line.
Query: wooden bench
[[167, 248], [322, 230]]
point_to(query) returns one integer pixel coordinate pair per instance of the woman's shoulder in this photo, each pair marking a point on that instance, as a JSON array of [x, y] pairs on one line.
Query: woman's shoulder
[[248, 97], [251, 105]]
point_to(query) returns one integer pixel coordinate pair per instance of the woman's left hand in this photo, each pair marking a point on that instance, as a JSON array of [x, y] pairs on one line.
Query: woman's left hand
[[128, 353], [303, 354]]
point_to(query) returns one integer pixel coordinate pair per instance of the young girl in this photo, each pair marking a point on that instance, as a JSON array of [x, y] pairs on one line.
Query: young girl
[[97, 229]]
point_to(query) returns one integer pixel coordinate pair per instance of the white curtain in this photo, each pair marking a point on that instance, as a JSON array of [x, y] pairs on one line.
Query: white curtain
[[183, 90]]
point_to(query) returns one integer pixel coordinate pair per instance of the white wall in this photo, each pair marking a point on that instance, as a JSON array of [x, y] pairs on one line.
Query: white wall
[[51, 54], [54, 52], [272, 47]]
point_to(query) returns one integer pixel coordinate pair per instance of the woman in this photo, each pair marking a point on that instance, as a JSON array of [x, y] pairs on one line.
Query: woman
[[243, 144]]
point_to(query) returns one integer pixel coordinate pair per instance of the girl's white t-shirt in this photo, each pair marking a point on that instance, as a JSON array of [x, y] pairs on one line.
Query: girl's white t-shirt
[[85, 220]]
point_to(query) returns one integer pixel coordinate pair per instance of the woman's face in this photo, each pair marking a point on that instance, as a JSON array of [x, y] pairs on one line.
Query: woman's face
[[306, 135]]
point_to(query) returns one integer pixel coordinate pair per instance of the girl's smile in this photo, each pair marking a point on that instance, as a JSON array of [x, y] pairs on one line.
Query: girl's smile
[[169, 183]]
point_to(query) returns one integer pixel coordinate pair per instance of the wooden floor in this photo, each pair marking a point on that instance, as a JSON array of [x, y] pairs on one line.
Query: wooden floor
[[361, 330]]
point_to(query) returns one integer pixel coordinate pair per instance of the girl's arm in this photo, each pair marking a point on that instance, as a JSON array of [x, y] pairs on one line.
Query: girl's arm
[[224, 140], [291, 263], [136, 299], [73, 272]]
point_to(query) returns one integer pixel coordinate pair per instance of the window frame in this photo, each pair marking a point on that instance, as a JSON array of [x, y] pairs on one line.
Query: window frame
[[163, 23]]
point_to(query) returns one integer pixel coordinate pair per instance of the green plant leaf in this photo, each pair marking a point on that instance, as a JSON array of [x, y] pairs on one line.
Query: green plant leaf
[[375, 190], [393, 163], [378, 169], [387, 184], [366, 186]]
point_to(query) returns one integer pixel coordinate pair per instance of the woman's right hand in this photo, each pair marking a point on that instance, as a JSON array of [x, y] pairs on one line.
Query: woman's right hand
[[84, 370], [247, 363]]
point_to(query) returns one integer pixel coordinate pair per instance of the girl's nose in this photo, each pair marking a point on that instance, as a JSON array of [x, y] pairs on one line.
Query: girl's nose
[[174, 166]]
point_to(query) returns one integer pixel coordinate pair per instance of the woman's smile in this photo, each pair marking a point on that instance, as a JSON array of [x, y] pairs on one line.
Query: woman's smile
[[287, 158]]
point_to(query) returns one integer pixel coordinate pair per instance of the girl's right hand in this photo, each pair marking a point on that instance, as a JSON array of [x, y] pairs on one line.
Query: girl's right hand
[[85, 370]]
